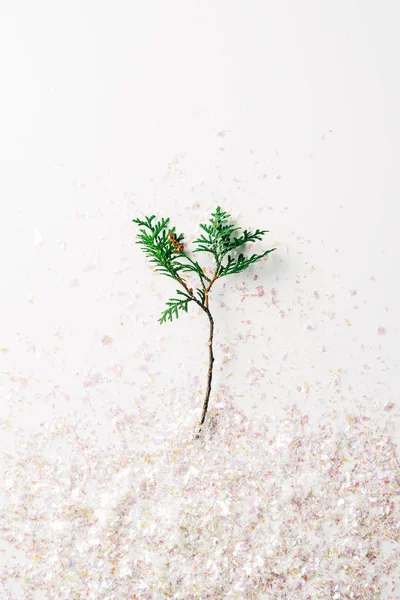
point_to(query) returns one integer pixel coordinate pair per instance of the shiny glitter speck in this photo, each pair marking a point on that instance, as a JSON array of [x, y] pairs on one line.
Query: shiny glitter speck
[[240, 511]]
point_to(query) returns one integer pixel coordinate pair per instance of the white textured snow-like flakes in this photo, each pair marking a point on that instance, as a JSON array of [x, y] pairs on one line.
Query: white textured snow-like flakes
[[37, 239], [305, 512]]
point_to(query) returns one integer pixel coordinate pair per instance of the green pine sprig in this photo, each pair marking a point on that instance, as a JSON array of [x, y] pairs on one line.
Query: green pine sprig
[[154, 239], [175, 305], [218, 240], [165, 249], [220, 243]]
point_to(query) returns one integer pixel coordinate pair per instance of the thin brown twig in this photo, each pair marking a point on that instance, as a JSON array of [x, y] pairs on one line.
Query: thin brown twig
[[205, 308]]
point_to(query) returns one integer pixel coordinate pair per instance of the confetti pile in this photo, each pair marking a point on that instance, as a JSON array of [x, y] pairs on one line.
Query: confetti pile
[[292, 509]]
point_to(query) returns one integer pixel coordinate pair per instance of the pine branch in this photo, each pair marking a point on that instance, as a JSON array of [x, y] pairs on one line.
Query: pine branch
[[241, 263], [243, 239], [218, 234], [164, 248], [174, 306], [219, 242], [201, 295], [195, 268]]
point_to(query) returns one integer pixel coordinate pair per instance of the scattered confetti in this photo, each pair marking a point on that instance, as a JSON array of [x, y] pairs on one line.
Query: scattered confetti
[[302, 511]]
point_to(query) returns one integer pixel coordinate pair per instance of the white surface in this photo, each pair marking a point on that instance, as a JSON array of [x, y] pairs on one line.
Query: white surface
[[285, 113]]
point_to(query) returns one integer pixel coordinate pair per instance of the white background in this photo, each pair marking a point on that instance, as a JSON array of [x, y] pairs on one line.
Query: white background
[[284, 113]]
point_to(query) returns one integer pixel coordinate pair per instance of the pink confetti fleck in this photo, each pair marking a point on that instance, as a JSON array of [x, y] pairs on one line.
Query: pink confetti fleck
[[106, 340], [255, 277], [118, 370], [382, 331], [23, 383], [260, 290]]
